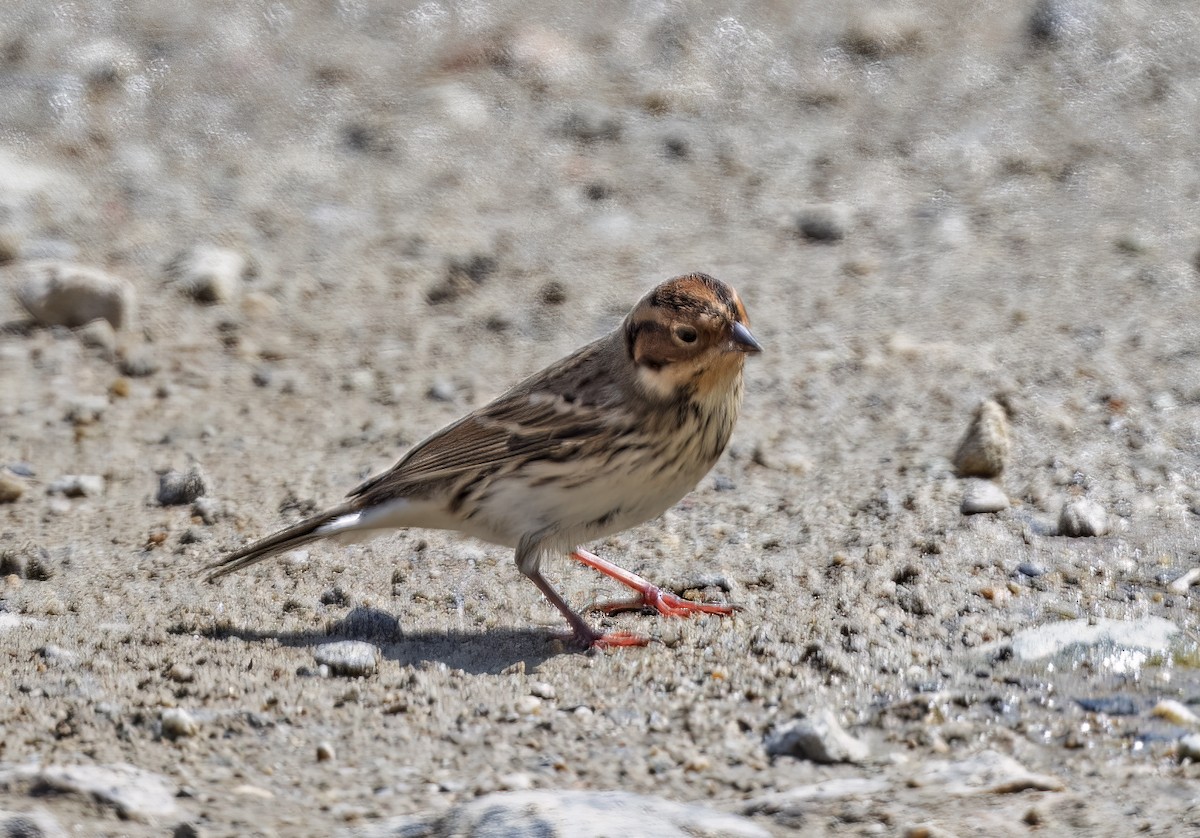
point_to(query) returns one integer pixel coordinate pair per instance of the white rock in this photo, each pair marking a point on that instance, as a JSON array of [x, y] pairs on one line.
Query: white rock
[[348, 657], [65, 294], [77, 486], [1181, 585], [983, 496], [210, 274], [1188, 747], [796, 800], [1176, 712], [177, 722], [136, 794], [988, 772], [1123, 643], [819, 739], [1082, 518], [562, 813]]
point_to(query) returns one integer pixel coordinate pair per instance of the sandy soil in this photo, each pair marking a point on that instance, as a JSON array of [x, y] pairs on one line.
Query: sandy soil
[[921, 206]]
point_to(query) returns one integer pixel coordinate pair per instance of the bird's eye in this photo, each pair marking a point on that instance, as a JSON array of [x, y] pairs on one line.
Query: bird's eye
[[686, 334]]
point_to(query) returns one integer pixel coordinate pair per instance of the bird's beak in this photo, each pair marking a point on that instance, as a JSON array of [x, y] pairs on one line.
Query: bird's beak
[[743, 341]]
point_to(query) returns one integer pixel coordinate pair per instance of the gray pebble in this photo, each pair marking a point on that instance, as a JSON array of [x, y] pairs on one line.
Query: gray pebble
[[325, 752], [348, 657], [819, 739], [29, 825], [986, 446], [176, 488], [1031, 570], [77, 486], [210, 274], [983, 496], [1083, 518], [65, 294], [823, 224], [1110, 705]]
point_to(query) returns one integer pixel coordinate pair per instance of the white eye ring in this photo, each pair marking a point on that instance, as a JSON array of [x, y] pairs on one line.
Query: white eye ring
[[686, 334]]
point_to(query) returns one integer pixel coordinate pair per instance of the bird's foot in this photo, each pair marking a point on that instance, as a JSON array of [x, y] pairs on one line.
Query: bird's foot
[[611, 640], [665, 603]]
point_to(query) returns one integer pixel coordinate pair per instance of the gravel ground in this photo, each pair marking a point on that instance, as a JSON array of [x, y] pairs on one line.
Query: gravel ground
[[319, 231]]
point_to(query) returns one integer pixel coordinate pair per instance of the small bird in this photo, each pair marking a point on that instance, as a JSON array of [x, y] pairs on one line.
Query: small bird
[[603, 440]]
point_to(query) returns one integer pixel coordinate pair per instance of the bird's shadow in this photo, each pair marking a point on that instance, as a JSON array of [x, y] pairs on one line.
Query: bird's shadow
[[486, 652]]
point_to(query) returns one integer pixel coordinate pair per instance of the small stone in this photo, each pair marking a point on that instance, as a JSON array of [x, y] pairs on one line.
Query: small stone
[[29, 825], [353, 658], [210, 274], [77, 486], [554, 813], [1031, 570], [820, 739], [592, 124], [527, 705], [26, 562], [542, 690], [822, 224], [1050, 23], [883, 33], [181, 673], [1110, 705], [186, 830], [136, 794], [325, 752], [98, 334], [553, 293], [982, 497], [1083, 518], [985, 447], [1188, 747], [65, 294], [86, 410], [138, 362], [178, 723], [442, 390], [463, 276], [1176, 586], [54, 652], [192, 535], [176, 488], [1175, 712], [11, 487], [517, 781], [206, 509]]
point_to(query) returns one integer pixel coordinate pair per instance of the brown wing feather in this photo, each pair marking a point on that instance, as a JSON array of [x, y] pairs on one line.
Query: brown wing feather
[[530, 421]]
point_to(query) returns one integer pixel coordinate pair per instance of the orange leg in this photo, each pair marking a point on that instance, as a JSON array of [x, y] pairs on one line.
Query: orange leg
[[649, 596]]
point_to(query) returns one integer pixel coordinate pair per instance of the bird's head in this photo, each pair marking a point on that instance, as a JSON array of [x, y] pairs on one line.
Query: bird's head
[[690, 335]]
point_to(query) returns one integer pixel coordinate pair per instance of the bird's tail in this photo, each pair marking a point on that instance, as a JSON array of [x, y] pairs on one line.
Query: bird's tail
[[297, 535]]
